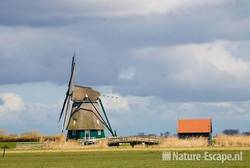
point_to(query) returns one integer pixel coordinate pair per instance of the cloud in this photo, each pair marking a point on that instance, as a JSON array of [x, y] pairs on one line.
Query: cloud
[[65, 12], [155, 115], [42, 55], [189, 72], [11, 109], [10, 102], [43, 51], [127, 74], [185, 58], [19, 116], [116, 102], [128, 114], [177, 72], [24, 49], [112, 8]]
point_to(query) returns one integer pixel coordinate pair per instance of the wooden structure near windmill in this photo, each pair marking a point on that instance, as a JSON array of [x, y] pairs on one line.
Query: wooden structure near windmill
[[83, 113], [133, 140], [188, 128]]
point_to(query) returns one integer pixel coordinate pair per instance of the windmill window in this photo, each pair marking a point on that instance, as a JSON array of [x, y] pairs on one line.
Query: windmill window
[[74, 122], [99, 132]]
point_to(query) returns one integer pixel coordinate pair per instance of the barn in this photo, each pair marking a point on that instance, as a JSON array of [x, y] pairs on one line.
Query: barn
[[188, 128]]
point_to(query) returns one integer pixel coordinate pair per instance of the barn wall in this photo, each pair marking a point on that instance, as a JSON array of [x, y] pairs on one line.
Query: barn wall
[[196, 135]]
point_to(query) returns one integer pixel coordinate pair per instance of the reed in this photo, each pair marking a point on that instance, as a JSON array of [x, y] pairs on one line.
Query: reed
[[232, 141]]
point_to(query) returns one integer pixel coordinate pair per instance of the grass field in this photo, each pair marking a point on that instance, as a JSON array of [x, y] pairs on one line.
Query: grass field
[[110, 159], [8, 144]]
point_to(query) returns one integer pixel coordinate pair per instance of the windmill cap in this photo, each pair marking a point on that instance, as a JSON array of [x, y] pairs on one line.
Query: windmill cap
[[81, 92]]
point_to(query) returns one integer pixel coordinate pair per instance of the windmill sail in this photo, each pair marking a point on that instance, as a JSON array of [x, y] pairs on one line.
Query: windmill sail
[[67, 101]]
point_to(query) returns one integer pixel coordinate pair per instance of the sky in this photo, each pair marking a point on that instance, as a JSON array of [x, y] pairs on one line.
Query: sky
[[164, 59]]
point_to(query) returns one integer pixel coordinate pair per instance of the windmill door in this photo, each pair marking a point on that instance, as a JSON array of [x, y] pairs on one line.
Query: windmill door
[[87, 134]]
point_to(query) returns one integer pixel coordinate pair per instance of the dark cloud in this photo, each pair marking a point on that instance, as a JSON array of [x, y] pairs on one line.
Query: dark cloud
[[29, 13], [1, 102], [45, 55], [39, 38]]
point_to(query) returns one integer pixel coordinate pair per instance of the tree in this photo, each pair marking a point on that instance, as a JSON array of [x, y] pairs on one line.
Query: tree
[[165, 134], [231, 132], [141, 134], [247, 133]]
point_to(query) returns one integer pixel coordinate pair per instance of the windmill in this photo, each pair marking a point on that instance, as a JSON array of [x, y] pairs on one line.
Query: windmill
[[83, 113]]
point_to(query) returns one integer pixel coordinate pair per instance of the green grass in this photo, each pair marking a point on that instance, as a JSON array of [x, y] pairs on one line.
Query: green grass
[[110, 159], [9, 144]]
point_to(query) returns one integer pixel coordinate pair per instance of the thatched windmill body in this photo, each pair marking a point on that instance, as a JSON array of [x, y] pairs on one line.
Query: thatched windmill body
[[81, 112]]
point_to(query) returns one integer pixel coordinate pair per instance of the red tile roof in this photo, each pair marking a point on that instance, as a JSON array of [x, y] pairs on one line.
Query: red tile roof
[[195, 126]]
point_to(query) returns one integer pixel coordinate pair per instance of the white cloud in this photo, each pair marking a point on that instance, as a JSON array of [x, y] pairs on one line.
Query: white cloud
[[17, 115], [11, 109], [203, 56], [11, 102]]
